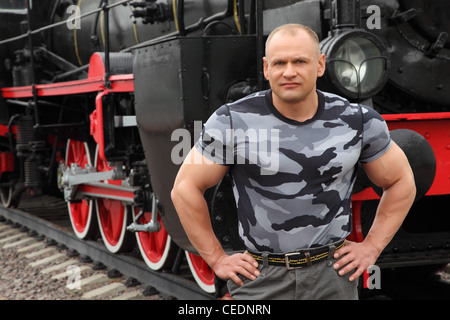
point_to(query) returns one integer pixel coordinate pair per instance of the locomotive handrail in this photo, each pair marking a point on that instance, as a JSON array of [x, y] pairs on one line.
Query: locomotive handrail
[[119, 83], [189, 29], [57, 24]]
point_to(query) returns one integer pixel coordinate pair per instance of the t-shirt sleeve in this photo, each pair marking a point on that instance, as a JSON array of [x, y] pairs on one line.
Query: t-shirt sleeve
[[215, 140], [376, 137]]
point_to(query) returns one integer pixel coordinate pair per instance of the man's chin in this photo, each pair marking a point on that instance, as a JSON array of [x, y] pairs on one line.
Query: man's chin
[[291, 98]]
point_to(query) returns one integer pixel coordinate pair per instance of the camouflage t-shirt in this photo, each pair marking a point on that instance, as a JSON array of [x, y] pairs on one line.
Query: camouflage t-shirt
[[292, 180]]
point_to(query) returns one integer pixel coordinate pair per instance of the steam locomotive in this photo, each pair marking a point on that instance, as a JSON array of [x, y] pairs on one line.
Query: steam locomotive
[[99, 99]]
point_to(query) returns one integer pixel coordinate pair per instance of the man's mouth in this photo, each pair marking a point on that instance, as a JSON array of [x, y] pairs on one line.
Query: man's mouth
[[290, 84]]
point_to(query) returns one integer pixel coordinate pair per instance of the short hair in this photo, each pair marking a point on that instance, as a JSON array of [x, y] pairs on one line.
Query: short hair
[[292, 29]]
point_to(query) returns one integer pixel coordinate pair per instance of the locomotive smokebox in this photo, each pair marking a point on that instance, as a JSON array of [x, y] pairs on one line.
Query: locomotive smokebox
[[179, 83]]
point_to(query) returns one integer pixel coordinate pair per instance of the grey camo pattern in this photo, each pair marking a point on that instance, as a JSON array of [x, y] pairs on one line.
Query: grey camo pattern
[[303, 198]]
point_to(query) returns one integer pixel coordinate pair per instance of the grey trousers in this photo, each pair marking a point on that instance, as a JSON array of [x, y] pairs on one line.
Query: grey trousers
[[317, 282]]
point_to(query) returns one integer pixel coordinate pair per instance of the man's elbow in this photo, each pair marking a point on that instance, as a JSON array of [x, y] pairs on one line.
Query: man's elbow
[[175, 194], [412, 185], [404, 186], [181, 191]]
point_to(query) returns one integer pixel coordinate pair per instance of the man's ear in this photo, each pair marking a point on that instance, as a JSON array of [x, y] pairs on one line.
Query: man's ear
[[266, 68], [321, 68]]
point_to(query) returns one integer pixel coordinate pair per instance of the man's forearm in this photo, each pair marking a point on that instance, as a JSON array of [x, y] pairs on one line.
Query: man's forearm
[[393, 207], [194, 216]]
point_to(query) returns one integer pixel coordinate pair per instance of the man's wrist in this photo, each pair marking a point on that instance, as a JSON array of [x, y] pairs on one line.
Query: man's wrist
[[374, 247]]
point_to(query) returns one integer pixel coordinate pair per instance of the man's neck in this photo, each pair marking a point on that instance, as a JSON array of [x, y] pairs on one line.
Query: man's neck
[[300, 110]]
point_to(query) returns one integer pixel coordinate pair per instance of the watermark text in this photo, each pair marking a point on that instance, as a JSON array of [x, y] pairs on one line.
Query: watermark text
[[74, 20], [372, 278], [74, 277], [374, 20]]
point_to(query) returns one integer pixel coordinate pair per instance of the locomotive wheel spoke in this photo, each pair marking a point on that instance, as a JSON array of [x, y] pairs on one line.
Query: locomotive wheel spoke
[[6, 195], [83, 225], [113, 217], [10, 195], [156, 248], [203, 274]]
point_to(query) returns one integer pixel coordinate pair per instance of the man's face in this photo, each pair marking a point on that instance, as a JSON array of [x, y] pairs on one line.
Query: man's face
[[292, 65]]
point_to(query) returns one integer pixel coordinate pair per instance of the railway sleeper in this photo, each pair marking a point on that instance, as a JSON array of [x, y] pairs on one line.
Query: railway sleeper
[[81, 280]]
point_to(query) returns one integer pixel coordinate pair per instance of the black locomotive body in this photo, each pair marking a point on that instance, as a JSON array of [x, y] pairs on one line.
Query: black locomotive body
[[102, 100]]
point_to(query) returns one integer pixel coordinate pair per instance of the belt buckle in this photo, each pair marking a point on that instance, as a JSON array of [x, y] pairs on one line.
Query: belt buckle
[[288, 264]]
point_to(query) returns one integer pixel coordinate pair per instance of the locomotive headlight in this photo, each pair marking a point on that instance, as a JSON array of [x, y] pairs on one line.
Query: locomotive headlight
[[357, 62]]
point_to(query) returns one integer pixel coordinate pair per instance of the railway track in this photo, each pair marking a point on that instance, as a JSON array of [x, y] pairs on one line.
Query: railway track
[[47, 216], [34, 268]]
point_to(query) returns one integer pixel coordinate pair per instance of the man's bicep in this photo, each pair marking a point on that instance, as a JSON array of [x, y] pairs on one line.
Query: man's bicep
[[388, 168], [200, 172]]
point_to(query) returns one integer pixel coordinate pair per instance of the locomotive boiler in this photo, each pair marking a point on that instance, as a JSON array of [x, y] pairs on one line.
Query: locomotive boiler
[[101, 100]]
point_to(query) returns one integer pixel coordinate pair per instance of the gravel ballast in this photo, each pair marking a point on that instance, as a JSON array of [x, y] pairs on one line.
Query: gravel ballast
[[21, 276]]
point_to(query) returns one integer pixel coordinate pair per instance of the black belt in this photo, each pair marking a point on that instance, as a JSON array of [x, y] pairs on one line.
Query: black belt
[[300, 258]]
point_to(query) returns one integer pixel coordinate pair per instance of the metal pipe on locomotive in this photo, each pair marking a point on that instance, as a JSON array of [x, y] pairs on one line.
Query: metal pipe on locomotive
[[92, 93]]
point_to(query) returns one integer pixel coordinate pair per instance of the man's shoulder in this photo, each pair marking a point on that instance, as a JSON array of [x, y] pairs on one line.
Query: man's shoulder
[[246, 109], [254, 102], [333, 100]]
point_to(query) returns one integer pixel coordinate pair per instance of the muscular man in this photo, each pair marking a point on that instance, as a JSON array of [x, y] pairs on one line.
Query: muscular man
[[293, 174]]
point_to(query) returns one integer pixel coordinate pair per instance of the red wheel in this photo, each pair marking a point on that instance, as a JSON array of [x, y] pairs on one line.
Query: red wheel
[[156, 248], [113, 217], [80, 213], [203, 274]]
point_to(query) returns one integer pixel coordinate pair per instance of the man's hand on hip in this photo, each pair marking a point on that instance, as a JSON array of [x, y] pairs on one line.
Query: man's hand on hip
[[228, 267]]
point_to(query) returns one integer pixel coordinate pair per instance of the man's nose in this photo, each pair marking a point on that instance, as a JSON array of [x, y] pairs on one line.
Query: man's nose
[[289, 71]]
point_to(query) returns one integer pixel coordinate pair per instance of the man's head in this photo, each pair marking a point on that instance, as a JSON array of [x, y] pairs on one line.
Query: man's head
[[293, 62]]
